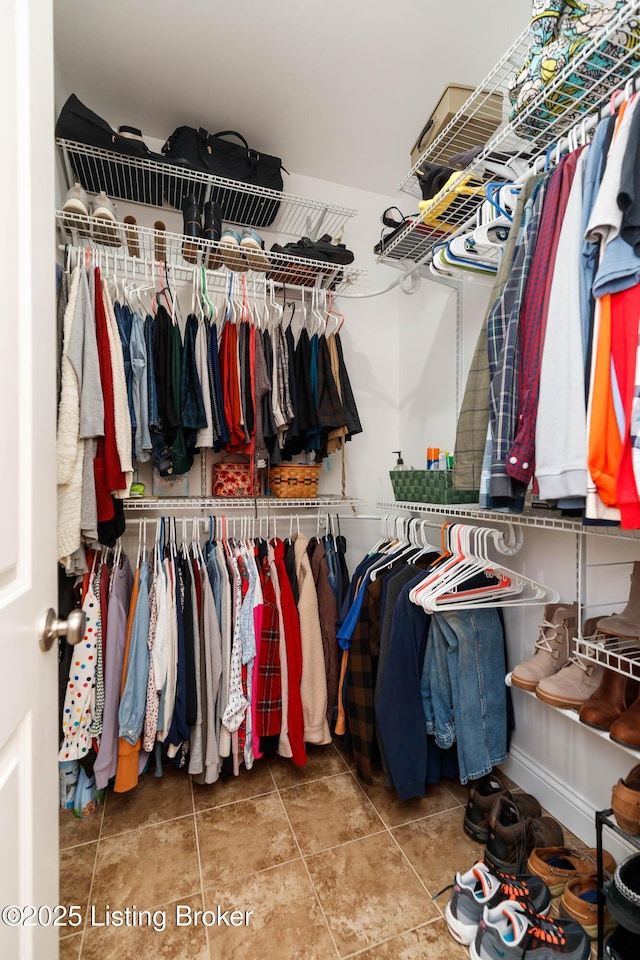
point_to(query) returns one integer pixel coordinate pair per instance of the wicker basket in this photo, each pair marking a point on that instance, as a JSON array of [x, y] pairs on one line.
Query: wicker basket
[[429, 486], [294, 480]]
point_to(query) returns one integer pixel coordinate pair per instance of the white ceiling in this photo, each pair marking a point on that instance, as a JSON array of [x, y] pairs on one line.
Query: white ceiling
[[338, 88]]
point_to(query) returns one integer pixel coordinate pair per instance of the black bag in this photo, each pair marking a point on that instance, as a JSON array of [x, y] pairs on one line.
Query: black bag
[[211, 153], [127, 182]]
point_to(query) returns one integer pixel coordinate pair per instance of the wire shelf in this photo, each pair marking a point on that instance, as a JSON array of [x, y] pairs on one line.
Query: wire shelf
[[534, 519], [223, 504], [584, 85], [621, 655], [156, 183], [138, 246]]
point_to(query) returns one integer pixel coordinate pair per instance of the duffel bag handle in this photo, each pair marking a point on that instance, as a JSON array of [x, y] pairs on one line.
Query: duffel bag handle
[[233, 133]]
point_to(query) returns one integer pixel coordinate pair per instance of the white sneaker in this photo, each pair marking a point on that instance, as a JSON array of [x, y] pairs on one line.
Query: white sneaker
[[102, 209], [76, 201]]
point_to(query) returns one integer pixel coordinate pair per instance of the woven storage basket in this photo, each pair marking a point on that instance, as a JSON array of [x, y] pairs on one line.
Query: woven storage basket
[[429, 486], [294, 480]]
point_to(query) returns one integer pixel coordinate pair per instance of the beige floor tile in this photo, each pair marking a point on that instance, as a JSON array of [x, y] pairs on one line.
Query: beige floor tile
[[321, 762], [76, 873], [241, 838], [249, 783], [437, 847], [430, 942], [70, 947], [286, 923], [74, 830], [395, 811], [134, 942], [154, 799], [368, 892], [459, 790], [327, 812], [345, 751], [147, 867]]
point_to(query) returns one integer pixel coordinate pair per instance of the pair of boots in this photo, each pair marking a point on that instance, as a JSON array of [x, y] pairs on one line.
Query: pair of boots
[[195, 229], [615, 705]]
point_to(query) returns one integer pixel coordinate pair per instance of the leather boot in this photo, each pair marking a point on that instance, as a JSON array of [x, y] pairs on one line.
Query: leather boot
[[626, 729], [192, 227], [627, 623], [613, 697], [212, 230], [558, 627]]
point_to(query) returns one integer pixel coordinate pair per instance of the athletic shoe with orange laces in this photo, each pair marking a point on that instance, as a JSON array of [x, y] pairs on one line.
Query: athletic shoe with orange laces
[[511, 932], [482, 887]]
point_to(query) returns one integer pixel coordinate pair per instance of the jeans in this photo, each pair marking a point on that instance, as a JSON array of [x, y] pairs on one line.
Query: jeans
[[463, 690], [134, 697]]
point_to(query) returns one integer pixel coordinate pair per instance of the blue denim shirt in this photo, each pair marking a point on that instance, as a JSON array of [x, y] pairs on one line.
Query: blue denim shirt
[[138, 351], [134, 696]]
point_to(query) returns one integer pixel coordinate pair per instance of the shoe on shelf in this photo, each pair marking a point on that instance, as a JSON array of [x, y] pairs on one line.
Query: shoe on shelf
[[212, 231], [551, 652], [623, 894], [626, 729], [515, 829], [622, 945], [103, 210], [482, 887], [625, 800], [627, 623], [76, 201], [191, 228], [558, 865], [579, 902], [613, 697], [131, 235], [512, 932], [575, 681], [230, 250], [482, 794], [252, 246]]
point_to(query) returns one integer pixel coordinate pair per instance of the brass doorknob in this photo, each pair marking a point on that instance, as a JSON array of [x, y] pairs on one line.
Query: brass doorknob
[[51, 628]]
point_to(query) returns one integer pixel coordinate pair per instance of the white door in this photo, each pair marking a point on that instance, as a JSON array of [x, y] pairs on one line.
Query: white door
[[28, 684]]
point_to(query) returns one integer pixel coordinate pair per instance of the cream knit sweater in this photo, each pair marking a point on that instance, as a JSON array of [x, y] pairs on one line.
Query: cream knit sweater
[[313, 686]]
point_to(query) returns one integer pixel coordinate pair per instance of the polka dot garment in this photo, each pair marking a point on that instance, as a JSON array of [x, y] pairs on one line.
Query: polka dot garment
[[79, 701]]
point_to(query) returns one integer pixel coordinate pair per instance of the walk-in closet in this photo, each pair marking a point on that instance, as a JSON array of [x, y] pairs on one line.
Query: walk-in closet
[[320, 559]]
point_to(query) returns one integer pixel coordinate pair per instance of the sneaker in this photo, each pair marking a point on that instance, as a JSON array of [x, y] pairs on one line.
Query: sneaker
[[252, 245], [482, 887], [515, 828], [103, 210], [511, 932], [557, 865], [482, 794], [552, 646], [230, 250], [76, 202]]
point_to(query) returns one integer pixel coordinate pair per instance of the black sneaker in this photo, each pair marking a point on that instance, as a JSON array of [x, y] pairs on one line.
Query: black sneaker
[[511, 932], [482, 887]]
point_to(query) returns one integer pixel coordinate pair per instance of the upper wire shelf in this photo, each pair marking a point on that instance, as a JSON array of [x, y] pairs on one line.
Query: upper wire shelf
[[222, 504], [156, 183], [142, 245], [534, 519], [618, 654], [606, 62]]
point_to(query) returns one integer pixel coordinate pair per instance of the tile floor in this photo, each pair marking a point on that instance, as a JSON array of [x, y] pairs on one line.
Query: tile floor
[[330, 868]]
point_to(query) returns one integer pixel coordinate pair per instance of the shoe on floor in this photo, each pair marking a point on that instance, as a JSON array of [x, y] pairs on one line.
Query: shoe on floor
[[625, 800], [515, 829], [558, 865], [230, 250], [511, 932], [482, 887], [482, 794], [252, 246], [623, 894], [579, 902], [558, 627], [622, 945]]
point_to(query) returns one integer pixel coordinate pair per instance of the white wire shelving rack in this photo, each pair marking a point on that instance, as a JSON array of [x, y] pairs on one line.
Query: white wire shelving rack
[[535, 518], [617, 653], [156, 183], [132, 247], [581, 88], [223, 504]]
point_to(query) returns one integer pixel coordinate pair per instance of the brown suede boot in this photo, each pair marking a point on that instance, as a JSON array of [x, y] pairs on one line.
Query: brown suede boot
[[627, 623], [613, 697]]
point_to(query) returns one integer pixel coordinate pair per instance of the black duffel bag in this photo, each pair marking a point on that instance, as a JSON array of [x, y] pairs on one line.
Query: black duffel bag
[[211, 153], [123, 180]]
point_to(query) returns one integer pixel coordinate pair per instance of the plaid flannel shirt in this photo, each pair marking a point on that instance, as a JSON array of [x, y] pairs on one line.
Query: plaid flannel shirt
[[502, 345], [269, 694]]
